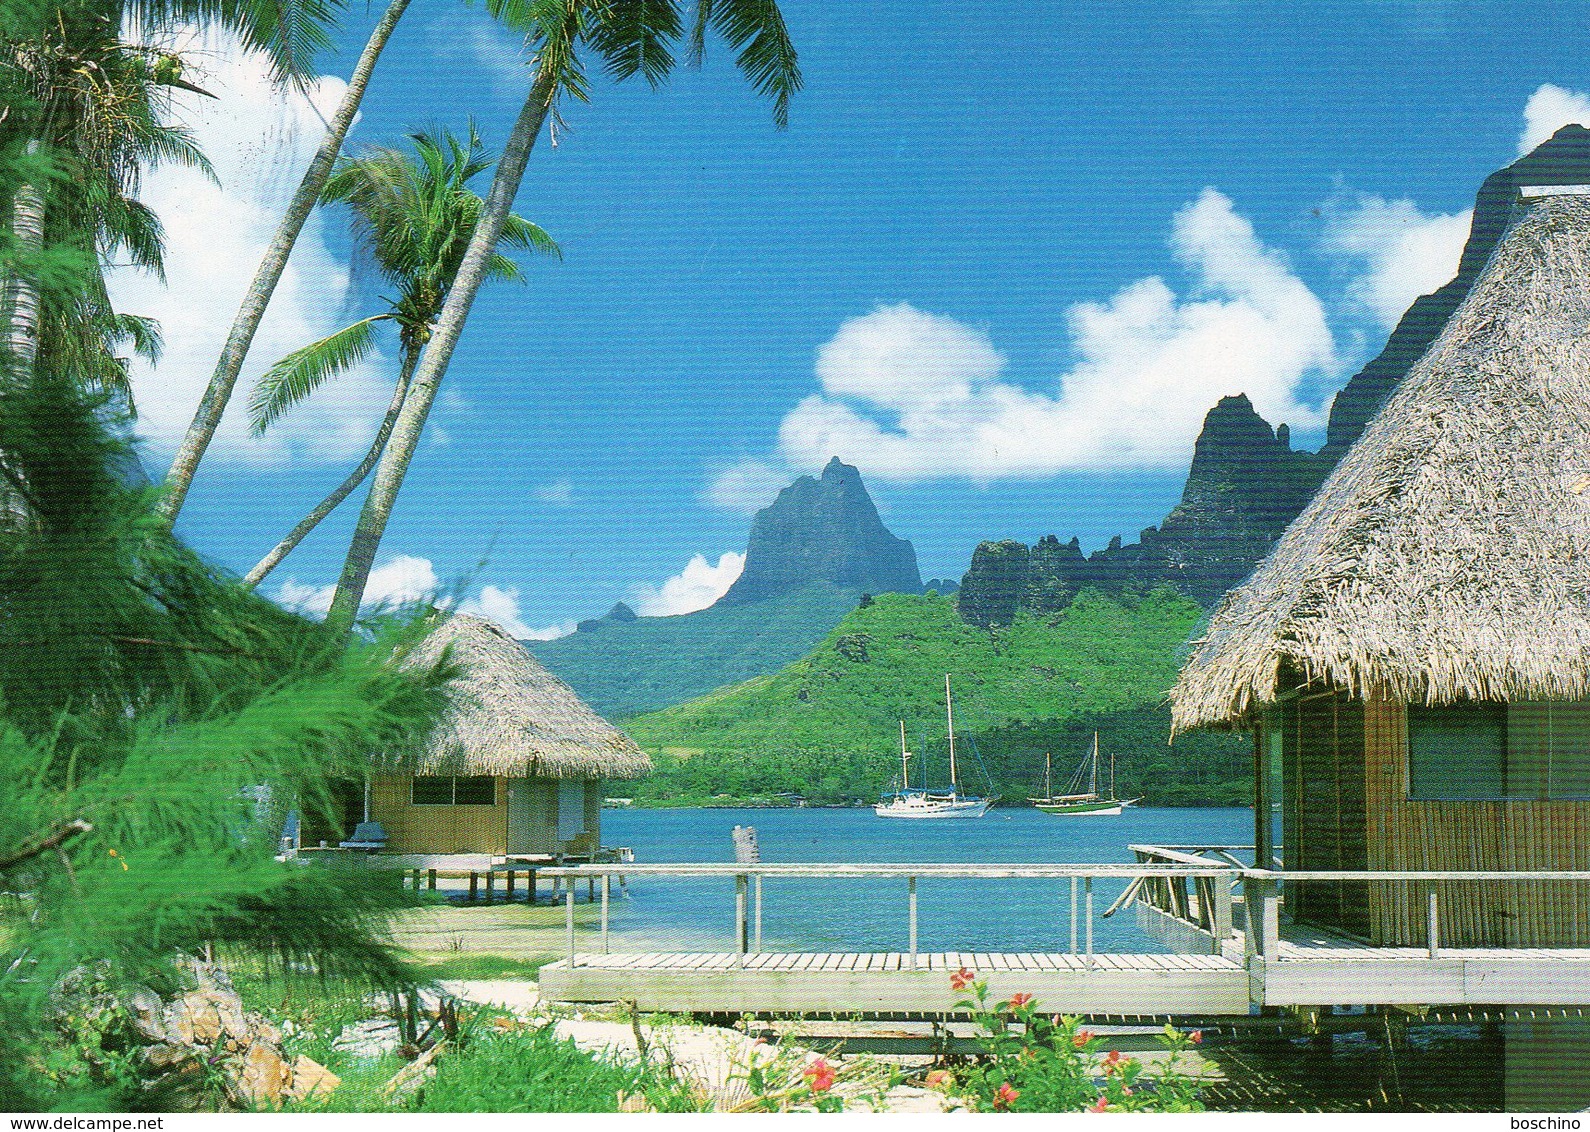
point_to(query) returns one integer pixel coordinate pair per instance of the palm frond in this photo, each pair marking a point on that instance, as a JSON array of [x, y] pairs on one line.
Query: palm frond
[[303, 371], [633, 38], [521, 233], [698, 33], [767, 58]]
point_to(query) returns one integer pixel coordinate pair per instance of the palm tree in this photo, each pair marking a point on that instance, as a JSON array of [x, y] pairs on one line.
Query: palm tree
[[413, 216], [207, 418], [90, 111], [631, 37]]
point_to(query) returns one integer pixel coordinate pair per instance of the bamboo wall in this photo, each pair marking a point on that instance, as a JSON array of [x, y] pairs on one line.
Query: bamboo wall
[[1450, 836], [437, 829], [1323, 807]]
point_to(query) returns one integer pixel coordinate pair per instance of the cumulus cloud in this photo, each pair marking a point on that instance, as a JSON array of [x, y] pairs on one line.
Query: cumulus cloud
[[747, 486], [399, 581], [909, 395], [1397, 251], [259, 139], [409, 578], [695, 587], [1548, 109]]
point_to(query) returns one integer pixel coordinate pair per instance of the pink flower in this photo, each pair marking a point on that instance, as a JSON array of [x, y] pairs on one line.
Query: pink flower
[[819, 1076], [1020, 1000], [940, 1079], [1006, 1096], [1112, 1061], [1100, 1105], [1081, 1038], [1196, 1037], [962, 979]]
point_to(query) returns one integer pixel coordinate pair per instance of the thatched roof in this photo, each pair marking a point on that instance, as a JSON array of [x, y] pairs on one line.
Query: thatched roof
[[510, 716], [1448, 555]]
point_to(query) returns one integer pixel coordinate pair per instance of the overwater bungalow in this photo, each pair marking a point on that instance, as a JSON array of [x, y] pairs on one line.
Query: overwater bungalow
[[1413, 658], [517, 767]]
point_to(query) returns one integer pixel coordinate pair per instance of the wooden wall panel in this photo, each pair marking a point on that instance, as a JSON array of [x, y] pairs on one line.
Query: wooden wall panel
[[438, 829], [1526, 835], [1325, 819]]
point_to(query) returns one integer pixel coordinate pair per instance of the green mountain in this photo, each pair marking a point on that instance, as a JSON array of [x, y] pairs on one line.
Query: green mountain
[[827, 726], [622, 667]]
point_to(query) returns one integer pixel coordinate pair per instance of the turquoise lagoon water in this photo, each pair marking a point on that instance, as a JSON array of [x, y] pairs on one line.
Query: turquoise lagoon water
[[870, 914]]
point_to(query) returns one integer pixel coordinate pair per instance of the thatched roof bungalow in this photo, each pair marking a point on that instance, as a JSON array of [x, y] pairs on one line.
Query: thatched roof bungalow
[[1414, 655], [517, 765]]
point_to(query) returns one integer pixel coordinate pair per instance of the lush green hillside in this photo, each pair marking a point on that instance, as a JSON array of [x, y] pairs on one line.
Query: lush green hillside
[[827, 726], [624, 668]]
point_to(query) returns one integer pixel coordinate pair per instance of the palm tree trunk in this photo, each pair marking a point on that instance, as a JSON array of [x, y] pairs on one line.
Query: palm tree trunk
[[411, 357], [216, 395], [433, 365], [22, 294]]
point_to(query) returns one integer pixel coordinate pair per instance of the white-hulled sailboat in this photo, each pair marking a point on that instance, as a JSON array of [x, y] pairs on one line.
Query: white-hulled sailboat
[[1081, 803], [922, 802]]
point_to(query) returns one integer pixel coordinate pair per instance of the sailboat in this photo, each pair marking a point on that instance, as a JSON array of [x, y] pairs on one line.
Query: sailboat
[[922, 802], [1077, 802]]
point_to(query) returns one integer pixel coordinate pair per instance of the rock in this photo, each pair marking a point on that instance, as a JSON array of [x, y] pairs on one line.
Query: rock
[[261, 1078], [369, 1040], [147, 1013], [310, 1079], [823, 530]]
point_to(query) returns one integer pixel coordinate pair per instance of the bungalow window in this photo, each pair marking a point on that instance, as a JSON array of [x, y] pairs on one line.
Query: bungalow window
[[1491, 751], [454, 790]]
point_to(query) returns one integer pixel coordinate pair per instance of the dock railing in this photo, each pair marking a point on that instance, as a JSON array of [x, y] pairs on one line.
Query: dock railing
[[1078, 880]]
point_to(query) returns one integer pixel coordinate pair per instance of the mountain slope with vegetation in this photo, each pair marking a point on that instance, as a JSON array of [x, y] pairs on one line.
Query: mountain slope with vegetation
[[827, 726], [625, 667]]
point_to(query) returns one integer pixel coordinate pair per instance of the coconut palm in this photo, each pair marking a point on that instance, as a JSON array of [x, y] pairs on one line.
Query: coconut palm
[[91, 111], [631, 37], [413, 215], [207, 418]]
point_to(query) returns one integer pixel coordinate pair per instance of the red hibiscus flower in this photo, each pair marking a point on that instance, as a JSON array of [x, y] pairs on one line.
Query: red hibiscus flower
[[1100, 1105], [940, 1079], [1195, 1037], [1020, 1000], [1112, 1061], [1006, 1097], [962, 979], [1081, 1038], [819, 1076]]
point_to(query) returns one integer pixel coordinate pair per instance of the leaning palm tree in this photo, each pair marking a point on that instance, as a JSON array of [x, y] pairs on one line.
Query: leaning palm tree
[[413, 215], [207, 417], [631, 37]]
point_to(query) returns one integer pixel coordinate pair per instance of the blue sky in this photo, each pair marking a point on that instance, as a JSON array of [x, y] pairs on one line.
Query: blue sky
[[1004, 265]]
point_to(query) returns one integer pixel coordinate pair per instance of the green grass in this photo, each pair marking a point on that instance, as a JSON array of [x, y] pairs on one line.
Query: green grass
[[624, 669], [486, 967], [530, 1070], [827, 725]]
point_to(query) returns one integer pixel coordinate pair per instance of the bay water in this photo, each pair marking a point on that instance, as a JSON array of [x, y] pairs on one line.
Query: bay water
[[869, 914]]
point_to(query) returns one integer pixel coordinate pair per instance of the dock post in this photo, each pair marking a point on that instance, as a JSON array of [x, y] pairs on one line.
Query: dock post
[[430, 876], [474, 880], [911, 900], [508, 887], [1221, 923], [1262, 912], [491, 883], [1433, 921], [606, 887], [757, 901], [1073, 915], [1088, 885], [741, 940], [570, 906]]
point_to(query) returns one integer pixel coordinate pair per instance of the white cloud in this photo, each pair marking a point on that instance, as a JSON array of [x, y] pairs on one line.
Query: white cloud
[[399, 581], [908, 395], [409, 578], [695, 587], [1399, 252], [259, 139], [559, 492], [1548, 109], [746, 487]]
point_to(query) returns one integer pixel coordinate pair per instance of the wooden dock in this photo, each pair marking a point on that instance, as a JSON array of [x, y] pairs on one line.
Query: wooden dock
[[1215, 965]]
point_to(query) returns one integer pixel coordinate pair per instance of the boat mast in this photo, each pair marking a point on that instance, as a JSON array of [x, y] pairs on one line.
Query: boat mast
[[905, 778], [949, 715], [1112, 775], [1093, 786], [1048, 776]]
